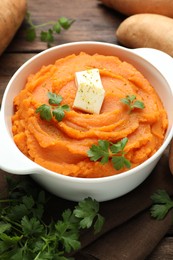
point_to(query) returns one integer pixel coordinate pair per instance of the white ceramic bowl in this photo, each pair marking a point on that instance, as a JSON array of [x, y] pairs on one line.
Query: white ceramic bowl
[[155, 65]]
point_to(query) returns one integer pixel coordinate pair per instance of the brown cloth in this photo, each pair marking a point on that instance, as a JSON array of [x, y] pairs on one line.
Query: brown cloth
[[129, 233]]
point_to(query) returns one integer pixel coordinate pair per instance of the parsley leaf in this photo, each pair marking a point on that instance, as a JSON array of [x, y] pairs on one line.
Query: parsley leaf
[[31, 226], [87, 211], [100, 151], [132, 103], [54, 99], [68, 231], [31, 31], [30, 34], [119, 162], [46, 35], [59, 112], [4, 227], [57, 27], [162, 203], [65, 23], [106, 150], [45, 112], [119, 146], [138, 104]]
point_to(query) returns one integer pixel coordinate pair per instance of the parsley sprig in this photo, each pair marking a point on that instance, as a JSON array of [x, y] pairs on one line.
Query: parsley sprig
[[162, 203], [24, 233], [46, 35], [106, 150], [47, 112], [132, 103]]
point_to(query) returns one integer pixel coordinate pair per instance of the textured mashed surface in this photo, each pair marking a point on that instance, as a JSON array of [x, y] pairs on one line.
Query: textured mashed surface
[[62, 146]]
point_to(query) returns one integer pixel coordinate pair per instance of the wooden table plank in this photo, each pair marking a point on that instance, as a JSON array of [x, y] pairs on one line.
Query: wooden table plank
[[8, 66], [164, 250]]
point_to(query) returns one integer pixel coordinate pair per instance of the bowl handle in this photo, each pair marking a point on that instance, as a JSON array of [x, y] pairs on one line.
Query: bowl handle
[[159, 59], [16, 162]]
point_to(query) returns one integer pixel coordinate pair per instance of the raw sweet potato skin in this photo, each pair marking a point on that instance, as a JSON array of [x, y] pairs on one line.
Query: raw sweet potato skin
[[147, 30], [12, 13], [130, 7]]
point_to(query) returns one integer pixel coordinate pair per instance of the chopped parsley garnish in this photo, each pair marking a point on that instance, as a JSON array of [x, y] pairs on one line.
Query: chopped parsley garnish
[[106, 151], [132, 103], [47, 112]]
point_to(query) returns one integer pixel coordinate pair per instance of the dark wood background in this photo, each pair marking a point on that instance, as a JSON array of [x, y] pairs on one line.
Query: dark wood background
[[93, 21]]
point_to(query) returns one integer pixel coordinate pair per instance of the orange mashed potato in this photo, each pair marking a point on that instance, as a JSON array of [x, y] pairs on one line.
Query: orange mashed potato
[[62, 146]]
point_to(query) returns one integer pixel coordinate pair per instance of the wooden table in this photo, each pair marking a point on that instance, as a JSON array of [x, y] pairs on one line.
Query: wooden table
[[93, 21]]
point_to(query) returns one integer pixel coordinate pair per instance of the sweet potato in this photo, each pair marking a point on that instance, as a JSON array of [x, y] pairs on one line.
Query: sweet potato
[[12, 13], [130, 7], [147, 30]]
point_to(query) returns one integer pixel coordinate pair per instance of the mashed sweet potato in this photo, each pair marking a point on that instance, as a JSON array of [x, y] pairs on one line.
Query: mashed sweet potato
[[62, 146]]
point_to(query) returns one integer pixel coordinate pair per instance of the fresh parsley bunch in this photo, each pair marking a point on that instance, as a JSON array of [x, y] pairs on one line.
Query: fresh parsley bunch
[[24, 233]]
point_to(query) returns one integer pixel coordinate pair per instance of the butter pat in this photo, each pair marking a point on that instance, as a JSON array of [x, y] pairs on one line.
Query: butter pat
[[90, 92]]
